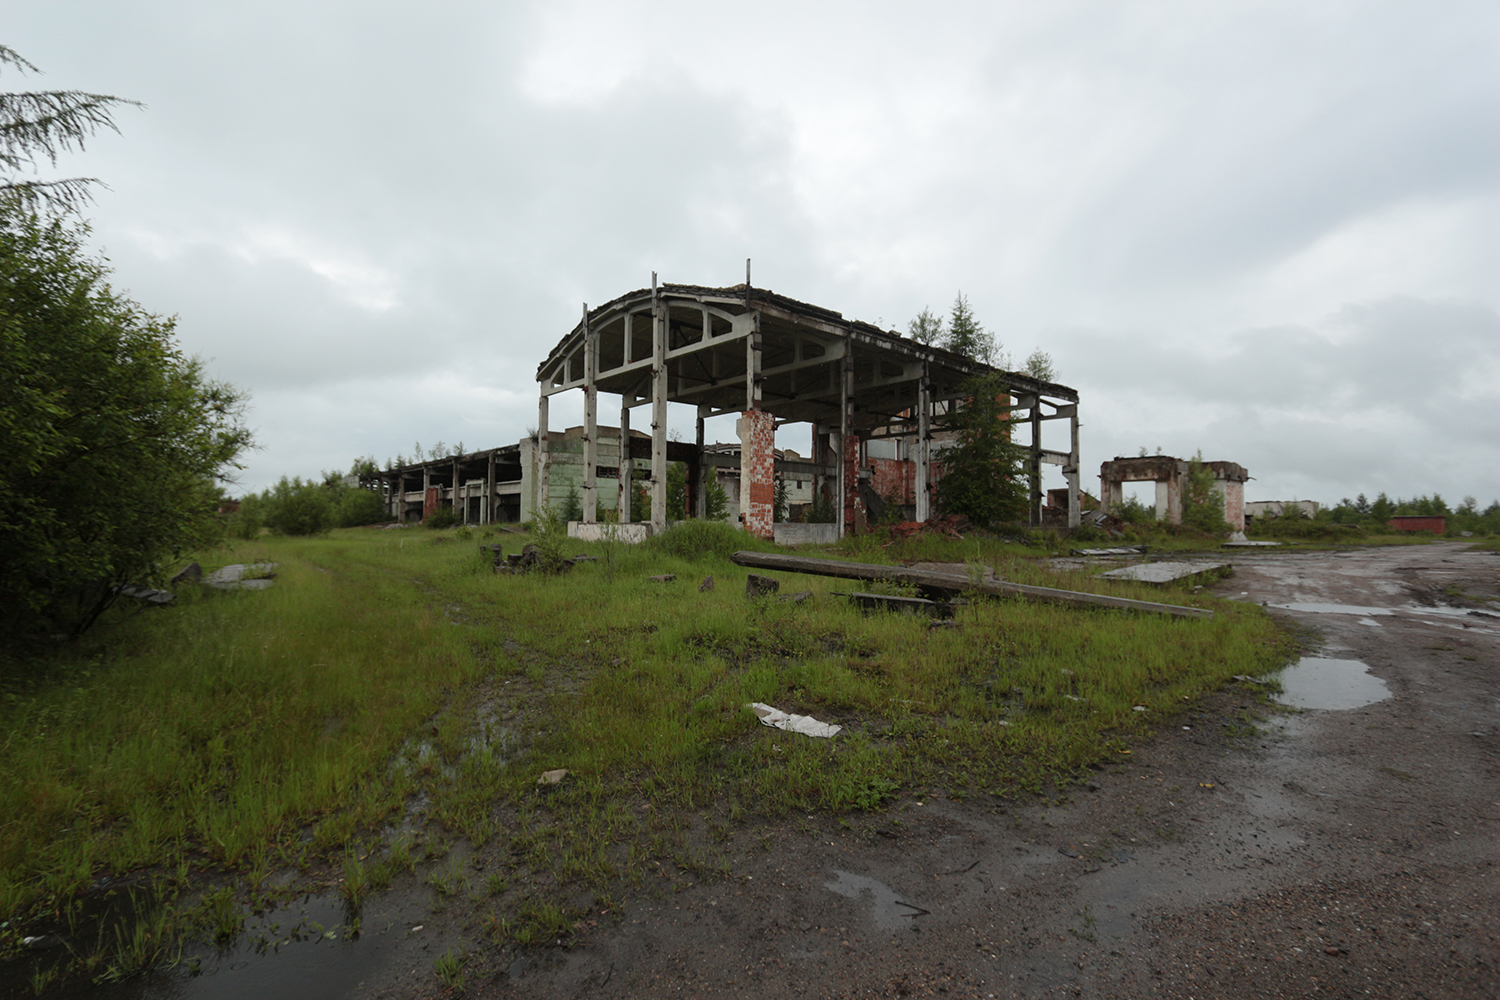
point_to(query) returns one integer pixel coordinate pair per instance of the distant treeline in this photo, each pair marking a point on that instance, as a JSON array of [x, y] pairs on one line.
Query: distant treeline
[[1467, 516]]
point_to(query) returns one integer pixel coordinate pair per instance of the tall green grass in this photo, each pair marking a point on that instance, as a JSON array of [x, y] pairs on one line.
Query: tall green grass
[[242, 725], [208, 731]]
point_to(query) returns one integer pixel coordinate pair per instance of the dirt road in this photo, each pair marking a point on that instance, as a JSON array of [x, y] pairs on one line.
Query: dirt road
[[1328, 852]]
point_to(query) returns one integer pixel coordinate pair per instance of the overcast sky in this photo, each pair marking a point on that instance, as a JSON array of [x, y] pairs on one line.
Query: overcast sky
[[1269, 231]]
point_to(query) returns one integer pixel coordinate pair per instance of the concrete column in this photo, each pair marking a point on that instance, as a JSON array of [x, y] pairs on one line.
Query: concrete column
[[627, 467], [543, 461], [758, 471], [852, 507], [590, 421], [923, 456], [1075, 502], [1111, 494], [1034, 469], [487, 509], [706, 473], [846, 400], [658, 411], [458, 488], [1234, 503]]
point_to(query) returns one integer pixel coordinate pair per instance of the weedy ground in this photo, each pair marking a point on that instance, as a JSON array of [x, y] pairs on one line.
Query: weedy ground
[[388, 705]]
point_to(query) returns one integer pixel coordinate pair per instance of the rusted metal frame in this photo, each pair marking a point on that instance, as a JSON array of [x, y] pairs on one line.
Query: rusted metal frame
[[590, 421], [659, 319]]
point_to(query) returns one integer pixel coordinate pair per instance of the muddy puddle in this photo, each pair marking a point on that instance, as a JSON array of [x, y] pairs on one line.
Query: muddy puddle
[[1330, 685], [301, 951], [887, 910]]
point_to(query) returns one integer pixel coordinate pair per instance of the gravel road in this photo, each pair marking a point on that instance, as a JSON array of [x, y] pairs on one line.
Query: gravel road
[[1334, 852]]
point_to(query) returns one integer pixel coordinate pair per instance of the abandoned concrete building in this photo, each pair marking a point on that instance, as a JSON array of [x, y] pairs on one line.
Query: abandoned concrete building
[[773, 361], [1169, 474], [871, 401], [1279, 508]]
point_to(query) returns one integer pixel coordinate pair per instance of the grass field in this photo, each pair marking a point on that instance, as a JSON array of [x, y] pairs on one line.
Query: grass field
[[208, 745]]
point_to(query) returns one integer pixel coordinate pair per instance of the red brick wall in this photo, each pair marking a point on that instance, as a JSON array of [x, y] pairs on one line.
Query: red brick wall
[[758, 460], [1419, 522], [430, 501], [894, 475]]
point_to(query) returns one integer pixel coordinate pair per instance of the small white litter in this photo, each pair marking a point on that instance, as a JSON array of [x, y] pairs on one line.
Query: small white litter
[[804, 724], [552, 777]]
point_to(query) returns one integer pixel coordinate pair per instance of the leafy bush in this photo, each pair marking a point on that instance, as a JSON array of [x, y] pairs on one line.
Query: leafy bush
[[358, 507], [443, 517], [1202, 504], [294, 507], [111, 440], [1133, 511]]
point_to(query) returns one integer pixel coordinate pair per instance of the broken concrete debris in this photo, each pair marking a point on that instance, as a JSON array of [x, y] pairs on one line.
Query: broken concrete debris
[[1167, 572], [804, 724], [149, 596], [663, 578], [191, 573], [707, 586], [902, 605], [760, 586], [552, 777], [241, 576]]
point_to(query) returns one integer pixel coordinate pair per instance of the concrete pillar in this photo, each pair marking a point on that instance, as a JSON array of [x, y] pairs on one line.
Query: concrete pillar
[[846, 400], [487, 509], [1075, 502], [590, 421], [658, 411], [706, 473], [922, 456], [1034, 465], [627, 466], [458, 488], [1234, 503], [543, 460], [1111, 494], [758, 471], [851, 506]]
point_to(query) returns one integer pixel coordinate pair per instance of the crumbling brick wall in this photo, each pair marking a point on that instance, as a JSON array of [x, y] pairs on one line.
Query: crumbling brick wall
[[758, 465]]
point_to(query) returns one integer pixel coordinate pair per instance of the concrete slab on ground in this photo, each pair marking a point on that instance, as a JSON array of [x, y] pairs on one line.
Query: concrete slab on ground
[[1166, 572]]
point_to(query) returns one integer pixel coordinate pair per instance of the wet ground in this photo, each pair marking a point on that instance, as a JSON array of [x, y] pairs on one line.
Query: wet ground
[[1344, 847]]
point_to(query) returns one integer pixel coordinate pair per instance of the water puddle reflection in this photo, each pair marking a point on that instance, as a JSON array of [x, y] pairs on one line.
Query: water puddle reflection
[[887, 911], [303, 950], [1315, 682]]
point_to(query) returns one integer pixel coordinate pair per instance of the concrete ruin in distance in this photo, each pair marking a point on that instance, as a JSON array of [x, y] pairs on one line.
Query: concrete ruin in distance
[[871, 400]]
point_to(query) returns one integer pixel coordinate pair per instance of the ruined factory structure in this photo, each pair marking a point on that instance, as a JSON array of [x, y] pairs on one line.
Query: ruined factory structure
[[1170, 474], [871, 400]]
